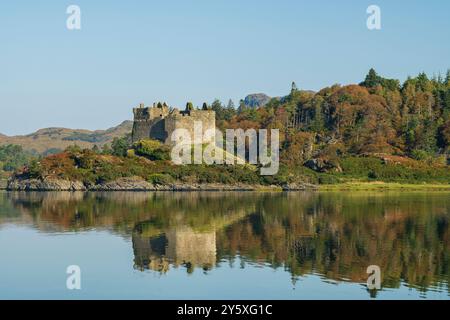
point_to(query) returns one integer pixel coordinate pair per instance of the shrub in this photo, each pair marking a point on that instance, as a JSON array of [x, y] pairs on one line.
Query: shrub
[[85, 159], [152, 149], [160, 179], [106, 172], [419, 154], [131, 153], [328, 179]]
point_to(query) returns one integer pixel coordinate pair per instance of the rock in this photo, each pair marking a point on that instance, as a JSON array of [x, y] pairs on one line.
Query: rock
[[322, 165], [125, 184], [256, 100], [298, 187], [45, 185], [139, 184]]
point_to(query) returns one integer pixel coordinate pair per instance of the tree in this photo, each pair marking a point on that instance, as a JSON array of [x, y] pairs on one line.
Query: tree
[[189, 106], [372, 79], [205, 106], [12, 157], [293, 87], [444, 135], [230, 104], [120, 146], [242, 107]]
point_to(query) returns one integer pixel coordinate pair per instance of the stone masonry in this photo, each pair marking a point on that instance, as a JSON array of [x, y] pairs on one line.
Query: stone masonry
[[159, 121]]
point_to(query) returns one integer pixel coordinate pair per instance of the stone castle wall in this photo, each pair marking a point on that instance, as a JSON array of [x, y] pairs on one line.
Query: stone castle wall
[[158, 123], [186, 120]]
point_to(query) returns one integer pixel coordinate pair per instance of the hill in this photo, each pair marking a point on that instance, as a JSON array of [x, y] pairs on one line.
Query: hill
[[53, 140], [256, 100]]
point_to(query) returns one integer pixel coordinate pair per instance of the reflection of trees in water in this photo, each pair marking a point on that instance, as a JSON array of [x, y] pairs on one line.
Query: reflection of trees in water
[[334, 234], [339, 235]]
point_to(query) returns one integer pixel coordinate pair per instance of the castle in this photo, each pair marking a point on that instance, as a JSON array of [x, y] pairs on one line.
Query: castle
[[159, 121]]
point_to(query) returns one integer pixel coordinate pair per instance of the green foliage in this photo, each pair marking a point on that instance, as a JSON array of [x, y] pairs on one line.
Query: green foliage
[[373, 79], [419, 154], [106, 171], [87, 137], [160, 179], [152, 149], [328, 179], [189, 106], [222, 112], [34, 169], [366, 169], [120, 146], [13, 157], [73, 149], [51, 151]]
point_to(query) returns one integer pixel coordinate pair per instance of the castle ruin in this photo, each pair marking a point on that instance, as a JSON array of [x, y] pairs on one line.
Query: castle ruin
[[159, 121]]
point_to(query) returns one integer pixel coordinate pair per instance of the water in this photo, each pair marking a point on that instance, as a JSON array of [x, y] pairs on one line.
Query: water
[[295, 245]]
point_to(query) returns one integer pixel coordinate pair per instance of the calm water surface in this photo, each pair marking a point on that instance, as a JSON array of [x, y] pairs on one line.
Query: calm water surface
[[225, 245]]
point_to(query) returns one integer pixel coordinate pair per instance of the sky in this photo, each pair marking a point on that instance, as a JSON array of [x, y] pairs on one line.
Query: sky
[[128, 52]]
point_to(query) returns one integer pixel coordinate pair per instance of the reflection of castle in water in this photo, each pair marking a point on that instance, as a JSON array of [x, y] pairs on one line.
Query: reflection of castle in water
[[177, 246]]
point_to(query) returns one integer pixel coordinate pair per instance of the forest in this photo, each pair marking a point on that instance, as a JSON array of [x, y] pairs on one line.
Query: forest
[[377, 116], [377, 130]]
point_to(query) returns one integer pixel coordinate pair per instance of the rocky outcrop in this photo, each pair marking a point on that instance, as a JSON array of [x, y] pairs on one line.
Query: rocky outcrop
[[45, 185], [322, 165], [124, 184], [256, 100], [139, 184], [298, 187]]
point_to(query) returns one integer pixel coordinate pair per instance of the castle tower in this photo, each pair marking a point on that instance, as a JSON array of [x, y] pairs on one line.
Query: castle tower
[[159, 122], [149, 122]]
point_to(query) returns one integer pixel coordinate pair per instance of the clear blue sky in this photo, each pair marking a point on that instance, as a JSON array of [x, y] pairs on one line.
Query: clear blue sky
[[143, 51]]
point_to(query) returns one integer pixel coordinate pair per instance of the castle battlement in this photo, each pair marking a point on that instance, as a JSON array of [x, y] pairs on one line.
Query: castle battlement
[[159, 121]]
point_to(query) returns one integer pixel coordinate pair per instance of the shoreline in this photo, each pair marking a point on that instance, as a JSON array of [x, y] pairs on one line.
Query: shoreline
[[139, 185], [384, 186]]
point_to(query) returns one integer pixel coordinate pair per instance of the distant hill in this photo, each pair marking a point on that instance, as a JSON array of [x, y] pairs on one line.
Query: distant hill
[[52, 140], [256, 100]]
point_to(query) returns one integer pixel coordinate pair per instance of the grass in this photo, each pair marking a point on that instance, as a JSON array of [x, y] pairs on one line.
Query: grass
[[382, 186]]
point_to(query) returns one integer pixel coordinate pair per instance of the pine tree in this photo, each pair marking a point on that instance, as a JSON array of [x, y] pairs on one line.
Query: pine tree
[[372, 79], [230, 104], [242, 107], [293, 87], [189, 106]]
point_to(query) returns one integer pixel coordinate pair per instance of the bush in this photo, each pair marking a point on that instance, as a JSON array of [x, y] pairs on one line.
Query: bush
[[419, 155], [328, 179], [131, 153], [85, 159], [106, 172], [160, 179], [152, 149]]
